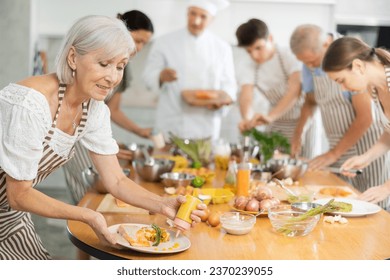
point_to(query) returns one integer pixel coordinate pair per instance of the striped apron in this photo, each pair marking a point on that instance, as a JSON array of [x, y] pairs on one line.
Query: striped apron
[[337, 115], [286, 124], [18, 238], [73, 168], [385, 122]]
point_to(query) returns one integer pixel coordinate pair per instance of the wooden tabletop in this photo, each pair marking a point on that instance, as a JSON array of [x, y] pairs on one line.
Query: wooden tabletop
[[362, 238]]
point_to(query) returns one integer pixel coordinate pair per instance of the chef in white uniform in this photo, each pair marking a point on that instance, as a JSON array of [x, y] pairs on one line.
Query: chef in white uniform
[[188, 63]]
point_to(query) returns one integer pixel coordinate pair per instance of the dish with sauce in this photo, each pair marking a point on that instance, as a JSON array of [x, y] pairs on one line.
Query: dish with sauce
[[173, 245]]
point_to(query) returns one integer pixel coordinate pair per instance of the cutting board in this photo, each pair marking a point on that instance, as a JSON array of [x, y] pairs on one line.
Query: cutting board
[[109, 205]]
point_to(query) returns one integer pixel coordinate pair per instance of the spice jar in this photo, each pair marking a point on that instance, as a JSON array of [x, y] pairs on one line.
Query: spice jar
[[183, 220]]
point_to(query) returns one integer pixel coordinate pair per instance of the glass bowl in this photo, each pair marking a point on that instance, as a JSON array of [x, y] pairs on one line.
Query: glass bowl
[[237, 223], [285, 220]]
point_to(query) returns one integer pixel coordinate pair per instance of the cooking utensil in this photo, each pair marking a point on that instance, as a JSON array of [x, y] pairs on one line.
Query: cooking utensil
[[339, 170], [291, 168], [152, 173], [287, 190], [89, 176], [148, 159]]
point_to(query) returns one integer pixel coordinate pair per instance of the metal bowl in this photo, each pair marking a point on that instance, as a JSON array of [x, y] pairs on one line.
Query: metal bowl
[[136, 150], [287, 168], [304, 206], [176, 179], [152, 173]]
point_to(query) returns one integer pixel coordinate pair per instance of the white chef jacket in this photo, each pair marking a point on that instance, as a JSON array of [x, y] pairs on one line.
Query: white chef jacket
[[202, 62]]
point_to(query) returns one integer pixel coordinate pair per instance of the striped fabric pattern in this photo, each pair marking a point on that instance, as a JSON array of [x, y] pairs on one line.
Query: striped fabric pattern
[[18, 239], [286, 124], [337, 115]]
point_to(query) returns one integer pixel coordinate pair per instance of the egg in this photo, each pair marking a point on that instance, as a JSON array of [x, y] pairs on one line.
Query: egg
[[206, 215], [213, 219]]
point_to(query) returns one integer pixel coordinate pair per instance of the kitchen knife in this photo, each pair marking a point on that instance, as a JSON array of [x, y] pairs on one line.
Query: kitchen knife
[[338, 170]]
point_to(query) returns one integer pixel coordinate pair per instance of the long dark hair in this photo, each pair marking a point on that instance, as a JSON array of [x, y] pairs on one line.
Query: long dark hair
[[343, 51], [250, 31], [136, 20]]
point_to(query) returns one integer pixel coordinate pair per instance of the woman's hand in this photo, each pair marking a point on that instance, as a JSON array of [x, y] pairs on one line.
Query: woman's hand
[[172, 204], [99, 225], [144, 132], [376, 194], [356, 162]]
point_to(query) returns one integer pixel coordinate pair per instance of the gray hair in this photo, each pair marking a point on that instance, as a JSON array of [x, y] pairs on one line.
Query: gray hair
[[91, 33], [307, 37]]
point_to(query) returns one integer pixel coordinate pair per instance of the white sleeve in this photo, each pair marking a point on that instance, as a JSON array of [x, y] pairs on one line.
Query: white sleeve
[[98, 134], [245, 69], [290, 62], [228, 82], [155, 63], [22, 131]]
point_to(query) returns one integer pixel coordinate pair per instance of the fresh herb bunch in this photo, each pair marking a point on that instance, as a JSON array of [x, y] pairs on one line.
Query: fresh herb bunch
[[269, 142]]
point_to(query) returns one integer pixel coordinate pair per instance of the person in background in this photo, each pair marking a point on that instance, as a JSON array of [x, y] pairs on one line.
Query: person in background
[[193, 72], [42, 117], [351, 125], [275, 73], [141, 30], [358, 67]]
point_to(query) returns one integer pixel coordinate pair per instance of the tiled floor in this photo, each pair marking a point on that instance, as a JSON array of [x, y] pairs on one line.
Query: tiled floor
[[53, 232]]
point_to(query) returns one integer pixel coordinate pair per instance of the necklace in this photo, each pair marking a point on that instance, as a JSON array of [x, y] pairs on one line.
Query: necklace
[[74, 125]]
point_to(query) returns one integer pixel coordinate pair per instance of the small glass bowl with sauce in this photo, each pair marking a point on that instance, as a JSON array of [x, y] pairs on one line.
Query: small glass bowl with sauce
[[237, 223]]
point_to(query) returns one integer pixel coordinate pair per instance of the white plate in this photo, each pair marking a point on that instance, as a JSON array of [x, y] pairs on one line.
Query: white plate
[[359, 207], [174, 245]]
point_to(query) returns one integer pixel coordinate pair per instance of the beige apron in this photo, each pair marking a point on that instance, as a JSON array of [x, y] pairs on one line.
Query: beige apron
[[287, 123], [337, 115], [18, 239]]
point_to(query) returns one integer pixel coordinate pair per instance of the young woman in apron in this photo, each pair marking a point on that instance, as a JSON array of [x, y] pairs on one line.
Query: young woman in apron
[[358, 67], [38, 137], [337, 115]]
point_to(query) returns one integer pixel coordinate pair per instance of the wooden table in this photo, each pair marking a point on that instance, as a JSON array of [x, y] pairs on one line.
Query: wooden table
[[363, 238]]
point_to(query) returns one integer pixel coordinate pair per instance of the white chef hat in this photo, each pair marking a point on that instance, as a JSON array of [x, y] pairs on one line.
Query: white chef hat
[[211, 6]]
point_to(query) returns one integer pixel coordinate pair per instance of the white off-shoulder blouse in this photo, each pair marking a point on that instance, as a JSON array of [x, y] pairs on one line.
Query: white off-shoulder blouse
[[25, 119]]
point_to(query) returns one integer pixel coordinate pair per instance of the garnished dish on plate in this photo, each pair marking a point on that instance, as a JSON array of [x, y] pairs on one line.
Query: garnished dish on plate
[[149, 238], [359, 207]]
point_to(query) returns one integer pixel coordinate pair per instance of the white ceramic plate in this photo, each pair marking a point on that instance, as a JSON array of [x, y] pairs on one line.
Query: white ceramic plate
[[174, 245], [359, 207]]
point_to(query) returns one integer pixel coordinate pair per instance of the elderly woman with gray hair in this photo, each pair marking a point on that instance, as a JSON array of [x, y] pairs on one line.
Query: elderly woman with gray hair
[[42, 117]]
